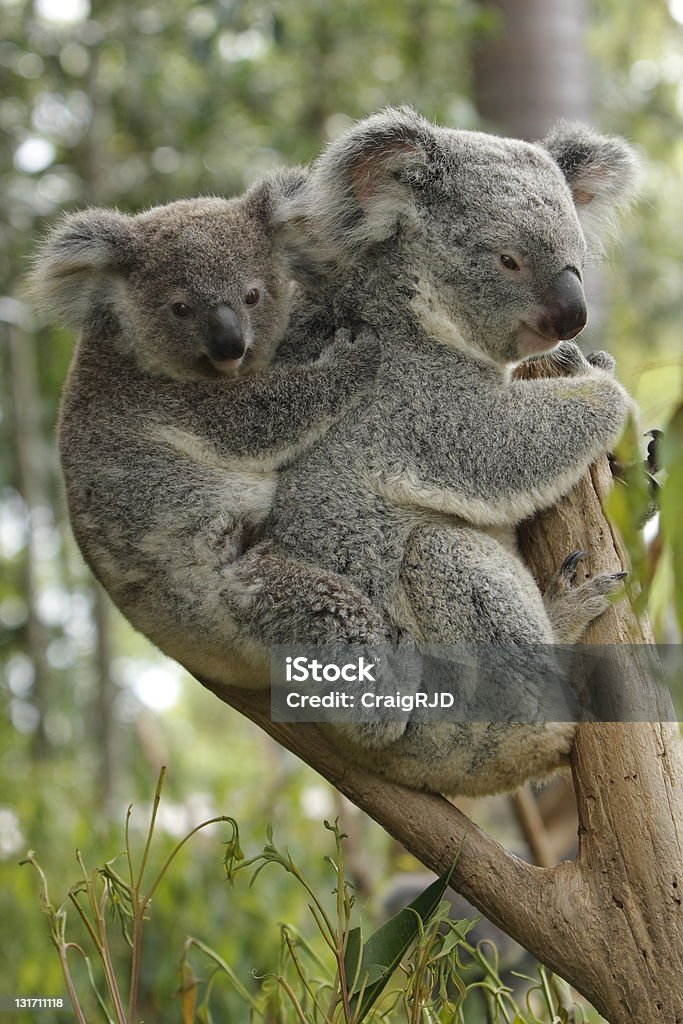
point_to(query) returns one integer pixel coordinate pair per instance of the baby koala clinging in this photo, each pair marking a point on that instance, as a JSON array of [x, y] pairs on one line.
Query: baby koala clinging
[[173, 425]]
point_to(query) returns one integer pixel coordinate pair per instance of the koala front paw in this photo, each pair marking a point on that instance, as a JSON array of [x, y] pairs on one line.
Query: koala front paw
[[357, 353], [602, 361], [571, 608], [570, 359]]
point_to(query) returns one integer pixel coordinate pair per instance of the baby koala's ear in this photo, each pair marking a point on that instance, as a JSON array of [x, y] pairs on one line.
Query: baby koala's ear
[[602, 171], [266, 198], [77, 261]]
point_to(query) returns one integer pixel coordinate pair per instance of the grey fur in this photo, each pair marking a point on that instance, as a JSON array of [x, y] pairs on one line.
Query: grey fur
[[416, 495], [170, 460]]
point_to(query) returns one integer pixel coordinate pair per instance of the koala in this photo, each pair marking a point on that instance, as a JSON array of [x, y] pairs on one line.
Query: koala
[[464, 253], [173, 424]]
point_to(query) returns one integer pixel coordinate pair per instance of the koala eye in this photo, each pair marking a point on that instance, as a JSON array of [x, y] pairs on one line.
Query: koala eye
[[252, 297], [508, 262], [181, 310]]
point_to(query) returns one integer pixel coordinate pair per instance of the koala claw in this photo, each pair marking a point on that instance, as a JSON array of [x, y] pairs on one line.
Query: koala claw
[[569, 358], [571, 608], [569, 568]]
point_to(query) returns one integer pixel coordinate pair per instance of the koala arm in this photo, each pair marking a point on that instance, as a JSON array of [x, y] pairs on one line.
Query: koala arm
[[264, 415], [514, 450]]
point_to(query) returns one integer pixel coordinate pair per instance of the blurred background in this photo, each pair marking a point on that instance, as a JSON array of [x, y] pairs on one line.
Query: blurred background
[[108, 103]]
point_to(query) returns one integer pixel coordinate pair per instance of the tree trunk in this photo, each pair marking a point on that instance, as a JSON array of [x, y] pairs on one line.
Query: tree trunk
[[26, 404], [531, 67]]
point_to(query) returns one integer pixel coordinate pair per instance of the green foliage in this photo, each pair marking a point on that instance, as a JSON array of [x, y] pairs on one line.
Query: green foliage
[[672, 502], [416, 967], [97, 895]]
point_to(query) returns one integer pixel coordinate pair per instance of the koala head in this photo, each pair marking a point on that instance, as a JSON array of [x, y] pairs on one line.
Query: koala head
[[194, 289], [494, 230]]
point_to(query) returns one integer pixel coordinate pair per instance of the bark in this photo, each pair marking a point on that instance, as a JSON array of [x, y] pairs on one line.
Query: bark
[[611, 922]]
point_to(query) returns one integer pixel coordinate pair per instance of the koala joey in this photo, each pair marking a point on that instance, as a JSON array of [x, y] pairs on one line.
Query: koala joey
[[464, 252], [172, 424]]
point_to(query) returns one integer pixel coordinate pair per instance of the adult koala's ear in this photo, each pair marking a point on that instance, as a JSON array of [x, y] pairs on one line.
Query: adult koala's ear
[[78, 261], [602, 172], [360, 188]]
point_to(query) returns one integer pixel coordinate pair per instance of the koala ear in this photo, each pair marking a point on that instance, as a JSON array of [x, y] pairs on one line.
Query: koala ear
[[266, 197], [77, 260], [359, 189], [602, 171]]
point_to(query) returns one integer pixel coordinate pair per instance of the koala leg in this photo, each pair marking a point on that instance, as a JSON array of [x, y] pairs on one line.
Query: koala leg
[[464, 586], [276, 599], [283, 600], [467, 586], [570, 608]]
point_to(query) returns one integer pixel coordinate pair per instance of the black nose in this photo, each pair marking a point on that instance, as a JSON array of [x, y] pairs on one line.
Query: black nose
[[564, 307], [225, 334]]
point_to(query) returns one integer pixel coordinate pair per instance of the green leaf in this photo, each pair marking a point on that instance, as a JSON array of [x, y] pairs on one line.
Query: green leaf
[[384, 950], [671, 501]]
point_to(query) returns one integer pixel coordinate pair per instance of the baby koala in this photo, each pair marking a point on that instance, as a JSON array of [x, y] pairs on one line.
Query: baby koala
[[172, 426]]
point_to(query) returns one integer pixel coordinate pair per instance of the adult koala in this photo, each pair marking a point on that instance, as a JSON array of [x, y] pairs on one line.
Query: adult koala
[[173, 426], [464, 252]]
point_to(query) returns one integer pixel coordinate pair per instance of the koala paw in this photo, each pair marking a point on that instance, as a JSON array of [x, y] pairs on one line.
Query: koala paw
[[571, 608], [602, 361], [358, 351], [569, 358]]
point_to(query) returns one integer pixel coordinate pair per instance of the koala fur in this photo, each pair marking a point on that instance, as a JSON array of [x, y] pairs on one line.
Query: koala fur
[[172, 427], [464, 253]]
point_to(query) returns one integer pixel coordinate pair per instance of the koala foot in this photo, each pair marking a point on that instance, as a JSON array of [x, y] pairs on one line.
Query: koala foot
[[570, 608], [281, 600], [565, 360], [570, 359]]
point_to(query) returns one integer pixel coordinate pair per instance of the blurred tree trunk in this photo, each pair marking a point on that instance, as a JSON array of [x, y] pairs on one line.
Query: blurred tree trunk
[[530, 70], [26, 404], [92, 160]]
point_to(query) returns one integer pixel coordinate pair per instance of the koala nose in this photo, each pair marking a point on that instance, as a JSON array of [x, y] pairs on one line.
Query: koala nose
[[225, 334], [564, 307]]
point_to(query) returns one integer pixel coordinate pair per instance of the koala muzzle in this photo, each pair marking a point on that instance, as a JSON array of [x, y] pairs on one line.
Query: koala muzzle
[[564, 307], [226, 340]]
